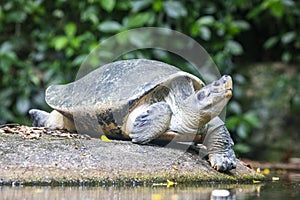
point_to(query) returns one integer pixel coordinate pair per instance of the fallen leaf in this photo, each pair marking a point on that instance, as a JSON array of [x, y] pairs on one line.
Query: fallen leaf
[[266, 171], [105, 139], [170, 183]]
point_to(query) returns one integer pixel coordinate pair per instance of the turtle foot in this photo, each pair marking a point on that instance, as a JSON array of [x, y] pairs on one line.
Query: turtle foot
[[224, 161], [39, 117]]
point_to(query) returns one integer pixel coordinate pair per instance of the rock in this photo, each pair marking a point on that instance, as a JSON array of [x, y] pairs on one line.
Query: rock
[[53, 158]]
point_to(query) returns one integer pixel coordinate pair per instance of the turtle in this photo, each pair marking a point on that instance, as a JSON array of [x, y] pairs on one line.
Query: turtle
[[144, 101]]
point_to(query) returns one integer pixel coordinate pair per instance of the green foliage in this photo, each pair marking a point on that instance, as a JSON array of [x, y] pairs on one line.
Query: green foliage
[[283, 38], [241, 123], [44, 42]]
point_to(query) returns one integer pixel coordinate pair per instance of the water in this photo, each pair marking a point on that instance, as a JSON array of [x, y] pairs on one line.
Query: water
[[282, 189]]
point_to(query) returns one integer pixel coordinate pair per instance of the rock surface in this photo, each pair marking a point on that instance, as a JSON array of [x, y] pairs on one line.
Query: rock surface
[[30, 155]]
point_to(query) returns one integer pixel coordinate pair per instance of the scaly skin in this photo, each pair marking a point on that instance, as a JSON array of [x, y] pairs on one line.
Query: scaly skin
[[219, 146]]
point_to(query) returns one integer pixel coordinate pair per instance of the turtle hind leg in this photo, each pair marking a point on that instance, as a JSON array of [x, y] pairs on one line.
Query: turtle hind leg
[[151, 123], [39, 117], [53, 120], [219, 146]]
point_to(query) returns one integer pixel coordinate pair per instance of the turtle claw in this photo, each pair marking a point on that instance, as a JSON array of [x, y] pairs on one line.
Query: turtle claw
[[222, 161]]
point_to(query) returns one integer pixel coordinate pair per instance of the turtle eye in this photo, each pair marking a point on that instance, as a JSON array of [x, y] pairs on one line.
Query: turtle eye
[[201, 95]]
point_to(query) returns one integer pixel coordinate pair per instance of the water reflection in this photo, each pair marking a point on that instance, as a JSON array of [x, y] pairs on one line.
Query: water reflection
[[288, 187], [154, 193]]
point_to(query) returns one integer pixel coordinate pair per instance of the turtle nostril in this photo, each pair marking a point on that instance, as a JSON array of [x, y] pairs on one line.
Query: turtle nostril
[[225, 79]]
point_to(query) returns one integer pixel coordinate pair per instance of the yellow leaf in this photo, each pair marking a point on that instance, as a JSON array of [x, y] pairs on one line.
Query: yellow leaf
[[255, 181], [170, 183], [105, 139], [266, 171]]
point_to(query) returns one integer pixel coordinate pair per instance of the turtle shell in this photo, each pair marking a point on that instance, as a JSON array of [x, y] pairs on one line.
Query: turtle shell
[[101, 100]]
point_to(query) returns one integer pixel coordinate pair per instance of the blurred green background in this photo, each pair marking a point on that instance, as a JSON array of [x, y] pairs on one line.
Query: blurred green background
[[257, 42]]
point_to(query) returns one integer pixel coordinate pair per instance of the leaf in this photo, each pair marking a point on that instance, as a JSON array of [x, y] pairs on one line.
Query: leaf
[[255, 181], [105, 139], [232, 122], [242, 130], [288, 3], [108, 5], [74, 42], [34, 79], [288, 37], [138, 20], [266, 171], [235, 107], [234, 47], [58, 13], [157, 6], [170, 183], [139, 5], [109, 27], [242, 148], [175, 9], [205, 33], [79, 60], [70, 29], [60, 42], [255, 12], [243, 25], [252, 119], [22, 104], [270, 42], [206, 21], [277, 9], [286, 57], [91, 14], [16, 16]]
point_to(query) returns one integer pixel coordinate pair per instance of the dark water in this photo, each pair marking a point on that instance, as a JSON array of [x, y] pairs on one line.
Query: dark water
[[281, 189]]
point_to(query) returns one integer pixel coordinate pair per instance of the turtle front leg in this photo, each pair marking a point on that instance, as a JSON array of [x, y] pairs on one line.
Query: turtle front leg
[[150, 122], [219, 146]]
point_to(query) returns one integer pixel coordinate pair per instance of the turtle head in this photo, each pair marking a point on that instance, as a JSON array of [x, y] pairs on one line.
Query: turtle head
[[207, 103]]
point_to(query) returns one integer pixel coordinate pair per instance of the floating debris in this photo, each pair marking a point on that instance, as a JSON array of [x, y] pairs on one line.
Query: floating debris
[[255, 181], [275, 178], [168, 184], [220, 193]]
